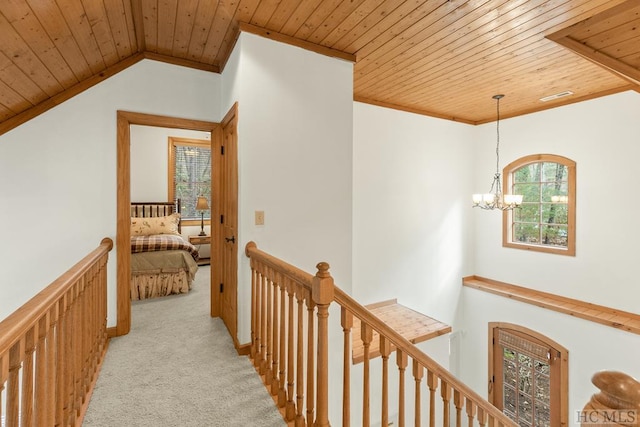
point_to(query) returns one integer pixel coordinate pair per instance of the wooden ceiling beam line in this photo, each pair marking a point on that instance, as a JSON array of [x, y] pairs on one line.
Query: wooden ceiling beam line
[[282, 38], [411, 110], [596, 19], [138, 24], [621, 69], [61, 97], [181, 61]]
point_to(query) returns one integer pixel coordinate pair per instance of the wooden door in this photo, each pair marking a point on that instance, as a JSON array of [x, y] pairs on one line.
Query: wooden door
[[229, 224], [527, 376]]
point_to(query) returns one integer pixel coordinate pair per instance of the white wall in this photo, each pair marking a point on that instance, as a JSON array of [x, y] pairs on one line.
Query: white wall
[[295, 157], [59, 204], [412, 222], [601, 135]]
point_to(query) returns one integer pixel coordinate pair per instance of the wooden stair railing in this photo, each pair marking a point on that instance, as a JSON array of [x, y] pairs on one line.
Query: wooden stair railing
[[285, 341], [51, 347], [617, 403]]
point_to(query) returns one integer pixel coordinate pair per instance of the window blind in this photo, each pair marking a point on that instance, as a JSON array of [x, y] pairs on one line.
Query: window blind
[[192, 177]]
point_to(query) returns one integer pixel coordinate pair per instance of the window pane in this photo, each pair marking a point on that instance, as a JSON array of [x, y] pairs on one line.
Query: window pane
[[555, 189], [542, 387], [528, 173], [554, 235], [526, 233], [192, 178], [554, 172], [525, 409], [527, 213], [509, 369], [543, 415], [554, 213], [530, 192], [509, 403]]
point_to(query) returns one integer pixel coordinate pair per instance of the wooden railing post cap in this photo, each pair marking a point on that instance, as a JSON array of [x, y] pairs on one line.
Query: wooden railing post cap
[[322, 291], [617, 388], [107, 241], [251, 245]]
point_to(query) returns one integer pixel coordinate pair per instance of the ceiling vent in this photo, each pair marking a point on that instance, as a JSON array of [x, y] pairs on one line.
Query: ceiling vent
[[556, 96]]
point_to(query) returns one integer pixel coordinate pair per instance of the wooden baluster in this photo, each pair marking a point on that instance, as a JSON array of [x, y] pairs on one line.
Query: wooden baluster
[[418, 373], [257, 361], [70, 359], [366, 335], [27, 378], [263, 322], [482, 416], [275, 381], [79, 347], [282, 392], [290, 410], [401, 361], [52, 366], [322, 292], [346, 320], [13, 384], [385, 351], [310, 358], [471, 411], [4, 374], [268, 362], [300, 422], [458, 401], [254, 273], [60, 359], [445, 392], [432, 383]]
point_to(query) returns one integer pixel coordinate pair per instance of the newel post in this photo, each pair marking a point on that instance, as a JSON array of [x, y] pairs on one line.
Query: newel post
[[617, 403], [322, 294]]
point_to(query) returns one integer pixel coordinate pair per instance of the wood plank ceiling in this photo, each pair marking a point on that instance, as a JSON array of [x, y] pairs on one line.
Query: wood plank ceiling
[[444, 58]]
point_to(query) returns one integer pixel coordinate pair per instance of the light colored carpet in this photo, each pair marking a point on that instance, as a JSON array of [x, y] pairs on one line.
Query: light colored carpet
[[178, 367]]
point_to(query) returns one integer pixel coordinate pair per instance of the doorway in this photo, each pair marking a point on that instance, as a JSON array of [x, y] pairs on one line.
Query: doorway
[[123, 233], [527, 376]]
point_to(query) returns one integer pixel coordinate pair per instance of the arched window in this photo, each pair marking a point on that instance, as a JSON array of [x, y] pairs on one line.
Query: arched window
[[546, 220]]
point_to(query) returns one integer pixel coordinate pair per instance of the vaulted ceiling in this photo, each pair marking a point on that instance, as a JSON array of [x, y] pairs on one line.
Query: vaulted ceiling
[[444, 58]]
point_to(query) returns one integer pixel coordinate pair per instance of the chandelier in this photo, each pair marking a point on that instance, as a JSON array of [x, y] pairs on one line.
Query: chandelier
[[494, 199]]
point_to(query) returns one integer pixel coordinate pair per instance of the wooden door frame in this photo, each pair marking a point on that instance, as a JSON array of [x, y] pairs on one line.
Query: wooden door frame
[[123, 228], [562, 365]]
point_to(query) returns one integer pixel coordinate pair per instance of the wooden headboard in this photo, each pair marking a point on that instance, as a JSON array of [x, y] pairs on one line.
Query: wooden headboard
[[152, 209]]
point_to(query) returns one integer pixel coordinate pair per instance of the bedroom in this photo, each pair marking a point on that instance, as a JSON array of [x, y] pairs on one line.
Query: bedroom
[[327, 173], [153, 176]]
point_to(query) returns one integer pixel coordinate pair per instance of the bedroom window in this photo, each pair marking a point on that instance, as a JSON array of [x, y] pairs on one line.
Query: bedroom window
[[190, 176], [546, 220]]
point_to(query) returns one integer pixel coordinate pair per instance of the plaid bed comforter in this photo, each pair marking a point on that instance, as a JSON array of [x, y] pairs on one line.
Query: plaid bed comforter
[[162, 242]]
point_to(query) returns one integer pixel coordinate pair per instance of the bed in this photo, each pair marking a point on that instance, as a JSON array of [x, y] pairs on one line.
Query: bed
[[162, 262]]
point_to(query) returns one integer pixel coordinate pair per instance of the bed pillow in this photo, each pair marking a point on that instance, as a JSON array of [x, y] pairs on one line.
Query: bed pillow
[[155, 225]]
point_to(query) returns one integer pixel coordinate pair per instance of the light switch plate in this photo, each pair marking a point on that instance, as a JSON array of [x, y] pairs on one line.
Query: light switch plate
[[259, 217]]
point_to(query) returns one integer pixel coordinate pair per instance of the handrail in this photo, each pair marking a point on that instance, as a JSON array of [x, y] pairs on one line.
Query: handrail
[[289, 271], [280, 292], [359, 311], [13, 327], [51, 348]]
